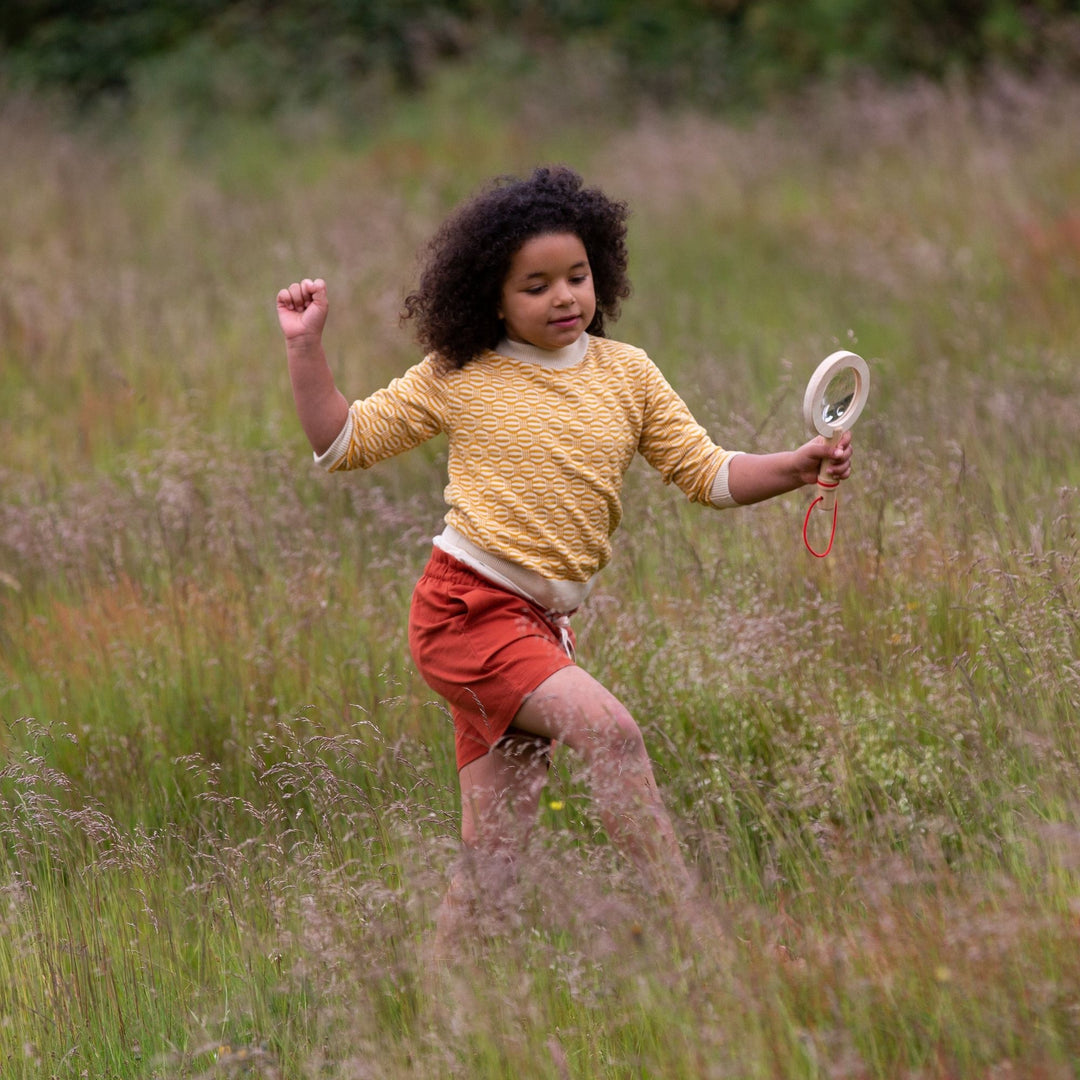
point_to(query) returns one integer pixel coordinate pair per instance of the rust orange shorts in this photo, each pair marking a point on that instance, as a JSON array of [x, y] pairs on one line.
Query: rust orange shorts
[[483, 648]]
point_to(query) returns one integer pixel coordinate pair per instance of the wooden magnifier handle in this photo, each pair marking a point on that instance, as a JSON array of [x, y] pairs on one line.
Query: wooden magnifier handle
[[827, 485]]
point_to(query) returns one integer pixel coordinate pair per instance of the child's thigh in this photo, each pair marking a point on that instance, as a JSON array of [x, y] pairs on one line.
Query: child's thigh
[[572, 707], [500, 792]]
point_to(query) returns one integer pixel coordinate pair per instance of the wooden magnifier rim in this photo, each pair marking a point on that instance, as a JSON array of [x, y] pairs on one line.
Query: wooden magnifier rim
[[813, 402]]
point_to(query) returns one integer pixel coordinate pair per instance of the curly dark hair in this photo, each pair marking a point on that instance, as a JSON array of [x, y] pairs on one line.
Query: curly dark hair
[[468, 259]]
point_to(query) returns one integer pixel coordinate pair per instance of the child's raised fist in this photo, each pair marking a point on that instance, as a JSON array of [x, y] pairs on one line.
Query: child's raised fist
[[302, 308]]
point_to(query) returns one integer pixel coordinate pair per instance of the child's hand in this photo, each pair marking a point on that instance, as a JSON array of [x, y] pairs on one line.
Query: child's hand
[[302, 309], [810, 456]]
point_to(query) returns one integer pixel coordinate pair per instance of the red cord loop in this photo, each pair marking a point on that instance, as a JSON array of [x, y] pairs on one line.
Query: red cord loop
[[806, 526]]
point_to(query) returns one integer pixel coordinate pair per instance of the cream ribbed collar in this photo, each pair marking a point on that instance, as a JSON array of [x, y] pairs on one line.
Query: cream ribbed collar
[[566, 357]]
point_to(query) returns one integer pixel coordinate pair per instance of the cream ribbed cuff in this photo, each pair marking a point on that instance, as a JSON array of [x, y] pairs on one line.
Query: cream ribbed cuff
[[339, 447], [720, 496]]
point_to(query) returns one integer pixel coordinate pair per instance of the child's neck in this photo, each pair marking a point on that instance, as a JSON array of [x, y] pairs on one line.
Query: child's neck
[[566, 357]]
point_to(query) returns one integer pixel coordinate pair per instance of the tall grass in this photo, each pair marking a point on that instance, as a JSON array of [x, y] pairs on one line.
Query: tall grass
[[228, 803]]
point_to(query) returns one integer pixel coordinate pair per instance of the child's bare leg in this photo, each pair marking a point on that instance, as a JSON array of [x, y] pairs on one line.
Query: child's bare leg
[[574, 708], [500, 797]]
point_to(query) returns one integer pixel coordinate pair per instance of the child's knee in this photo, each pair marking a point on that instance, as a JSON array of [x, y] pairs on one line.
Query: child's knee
[[619, 737]]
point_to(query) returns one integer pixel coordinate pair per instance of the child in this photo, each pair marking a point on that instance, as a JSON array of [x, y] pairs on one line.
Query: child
[[544, 414]]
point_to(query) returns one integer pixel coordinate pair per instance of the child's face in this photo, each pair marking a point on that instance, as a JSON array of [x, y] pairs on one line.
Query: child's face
[[548, 298]]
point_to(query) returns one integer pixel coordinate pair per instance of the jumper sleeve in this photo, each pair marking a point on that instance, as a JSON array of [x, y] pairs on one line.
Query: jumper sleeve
[[405, 413], [675, 444]]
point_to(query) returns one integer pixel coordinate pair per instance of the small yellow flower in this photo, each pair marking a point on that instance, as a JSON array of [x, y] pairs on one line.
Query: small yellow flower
[[942, 974], [555, 804]]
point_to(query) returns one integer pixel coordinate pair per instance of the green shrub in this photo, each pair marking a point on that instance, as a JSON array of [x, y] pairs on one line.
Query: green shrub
[[702, 51]]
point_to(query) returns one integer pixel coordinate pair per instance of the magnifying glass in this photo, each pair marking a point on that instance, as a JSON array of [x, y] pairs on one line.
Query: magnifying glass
[[835, 396]]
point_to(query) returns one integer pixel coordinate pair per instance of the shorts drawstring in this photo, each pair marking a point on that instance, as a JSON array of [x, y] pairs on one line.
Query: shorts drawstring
[[561, 621]]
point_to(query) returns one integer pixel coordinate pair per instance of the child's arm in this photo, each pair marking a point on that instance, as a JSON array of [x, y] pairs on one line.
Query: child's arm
[[322, 408], [754, 477]]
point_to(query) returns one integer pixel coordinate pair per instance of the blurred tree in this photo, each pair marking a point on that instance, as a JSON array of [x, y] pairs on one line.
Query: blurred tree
[[89, 45], [714, 51]]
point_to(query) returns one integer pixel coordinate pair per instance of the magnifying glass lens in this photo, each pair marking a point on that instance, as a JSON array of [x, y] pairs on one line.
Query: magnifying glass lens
[[834, 411], [838, 396]]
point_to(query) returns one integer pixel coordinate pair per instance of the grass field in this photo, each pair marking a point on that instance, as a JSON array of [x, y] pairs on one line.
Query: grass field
[[227, 801]]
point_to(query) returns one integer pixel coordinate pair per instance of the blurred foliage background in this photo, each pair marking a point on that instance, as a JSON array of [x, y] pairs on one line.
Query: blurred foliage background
[[258, 55]]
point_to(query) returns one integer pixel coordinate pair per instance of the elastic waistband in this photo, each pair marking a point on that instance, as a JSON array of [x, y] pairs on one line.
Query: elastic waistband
[[546, 593], [445, 567]]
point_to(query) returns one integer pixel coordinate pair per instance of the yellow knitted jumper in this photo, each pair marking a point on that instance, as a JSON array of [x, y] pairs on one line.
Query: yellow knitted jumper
[[537, 455]]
